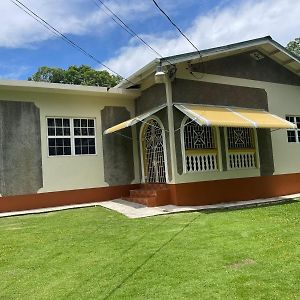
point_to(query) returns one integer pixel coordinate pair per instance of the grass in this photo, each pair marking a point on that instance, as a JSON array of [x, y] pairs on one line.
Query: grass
[[94, 253]]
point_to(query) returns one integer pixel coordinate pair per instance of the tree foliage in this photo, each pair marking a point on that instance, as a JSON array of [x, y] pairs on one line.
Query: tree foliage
[[80, 75], [294, 46]]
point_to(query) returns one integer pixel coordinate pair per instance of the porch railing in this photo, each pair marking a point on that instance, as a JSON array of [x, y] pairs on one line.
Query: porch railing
[[201, 160], [241, 159]]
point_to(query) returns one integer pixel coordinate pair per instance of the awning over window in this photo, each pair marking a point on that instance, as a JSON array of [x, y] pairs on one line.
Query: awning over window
[[222, 116], [134, 120]]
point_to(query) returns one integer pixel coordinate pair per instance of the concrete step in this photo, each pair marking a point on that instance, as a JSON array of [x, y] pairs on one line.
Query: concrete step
[[147, 201], [143, 193]]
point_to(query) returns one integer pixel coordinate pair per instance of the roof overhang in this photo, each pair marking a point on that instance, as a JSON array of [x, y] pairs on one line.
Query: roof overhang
[[58, 88], [266, 45]]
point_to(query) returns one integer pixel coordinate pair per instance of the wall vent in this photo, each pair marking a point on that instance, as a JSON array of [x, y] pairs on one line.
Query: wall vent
[[257, 55]]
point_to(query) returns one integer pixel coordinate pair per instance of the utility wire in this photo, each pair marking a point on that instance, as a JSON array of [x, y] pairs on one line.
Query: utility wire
[[184, 35], [173, 23], [55, 31], [126, 27]]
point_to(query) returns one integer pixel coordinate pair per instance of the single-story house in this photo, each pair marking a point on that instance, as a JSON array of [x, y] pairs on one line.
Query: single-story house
[[188, 129]]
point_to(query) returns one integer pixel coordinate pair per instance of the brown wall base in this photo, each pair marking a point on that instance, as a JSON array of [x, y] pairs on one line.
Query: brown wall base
[[197, 193], [43, 200], [230, 190]]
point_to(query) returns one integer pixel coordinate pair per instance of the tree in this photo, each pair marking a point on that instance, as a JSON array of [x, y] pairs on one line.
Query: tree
[[294, 46], [80, 75]]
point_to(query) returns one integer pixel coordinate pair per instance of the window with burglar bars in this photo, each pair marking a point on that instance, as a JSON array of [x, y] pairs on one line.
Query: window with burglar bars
[[198, 137], [241, 148], [240, 138], [293, 135], [68, 136], [200, 151]]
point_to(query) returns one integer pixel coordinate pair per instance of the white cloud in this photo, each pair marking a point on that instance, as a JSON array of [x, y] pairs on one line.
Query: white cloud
[[234, 23], [18, 30]]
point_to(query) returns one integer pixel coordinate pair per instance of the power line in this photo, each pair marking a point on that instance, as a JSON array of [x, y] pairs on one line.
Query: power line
[[123, 25], [185, 36], [172, 22], [55, 31]]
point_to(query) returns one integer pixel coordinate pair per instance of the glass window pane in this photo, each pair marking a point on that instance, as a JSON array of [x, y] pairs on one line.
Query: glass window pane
[[67, 150], [84, 131], [67, 142], [84, 142], [59, 150], [77, 131], [51, 131], [291, 136], [66, 131], [50, 122], [59, 142], [66, 122], [51, 142], [91, 123], [77, 142], [58, 122], [76, 122], [59, 131], [92, 150], [91, 131], [78, 150], [92, 142], [52, 151], [85, 150], [83, 122]]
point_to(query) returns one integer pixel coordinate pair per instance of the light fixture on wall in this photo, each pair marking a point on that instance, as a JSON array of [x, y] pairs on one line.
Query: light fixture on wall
[[160, 74]]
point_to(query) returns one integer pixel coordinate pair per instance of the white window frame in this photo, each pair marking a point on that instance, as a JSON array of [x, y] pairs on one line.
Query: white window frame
[[72, 136], [296, 130], [257, 159], [217, 141]]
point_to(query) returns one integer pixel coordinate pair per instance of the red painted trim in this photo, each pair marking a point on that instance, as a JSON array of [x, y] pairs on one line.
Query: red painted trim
[[43, 200], [231, 190], [196, 193]]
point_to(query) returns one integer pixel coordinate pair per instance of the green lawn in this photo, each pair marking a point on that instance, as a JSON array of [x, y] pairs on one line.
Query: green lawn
[[94, 253]]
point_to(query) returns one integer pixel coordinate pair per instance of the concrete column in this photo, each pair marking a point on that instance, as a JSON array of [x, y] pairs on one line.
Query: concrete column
[[173, 160]]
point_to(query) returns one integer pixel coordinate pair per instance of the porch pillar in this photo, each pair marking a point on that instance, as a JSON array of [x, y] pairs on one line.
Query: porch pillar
[[168, 86]]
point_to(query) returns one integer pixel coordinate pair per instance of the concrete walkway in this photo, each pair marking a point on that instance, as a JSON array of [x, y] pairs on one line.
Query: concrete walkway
[[135, 211]]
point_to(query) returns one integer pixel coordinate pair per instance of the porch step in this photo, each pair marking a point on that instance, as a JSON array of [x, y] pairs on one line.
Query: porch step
[[150, 195]]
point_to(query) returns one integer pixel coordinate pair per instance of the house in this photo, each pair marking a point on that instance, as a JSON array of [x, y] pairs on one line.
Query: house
[[188, 129]]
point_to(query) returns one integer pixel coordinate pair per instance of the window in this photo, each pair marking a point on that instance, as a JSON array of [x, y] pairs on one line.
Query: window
[[241, 148], [293, 135], [240, 138], [67, 136], [200, 150]]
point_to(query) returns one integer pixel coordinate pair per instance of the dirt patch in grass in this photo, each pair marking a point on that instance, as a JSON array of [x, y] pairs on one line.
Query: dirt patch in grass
[[244, 262]]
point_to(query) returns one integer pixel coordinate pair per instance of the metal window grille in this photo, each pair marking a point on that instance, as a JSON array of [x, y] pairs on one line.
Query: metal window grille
[[198, 137], [293, 135], [240, 138]]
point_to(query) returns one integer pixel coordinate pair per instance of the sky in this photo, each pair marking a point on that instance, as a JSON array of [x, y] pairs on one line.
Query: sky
[[25, 45]]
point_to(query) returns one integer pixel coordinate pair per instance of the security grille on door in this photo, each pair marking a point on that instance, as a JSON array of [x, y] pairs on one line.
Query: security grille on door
[[200, 148], [154, 153]]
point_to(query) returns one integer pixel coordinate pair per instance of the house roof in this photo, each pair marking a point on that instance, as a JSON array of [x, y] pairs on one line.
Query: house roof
[[45, 87], [266, 45]]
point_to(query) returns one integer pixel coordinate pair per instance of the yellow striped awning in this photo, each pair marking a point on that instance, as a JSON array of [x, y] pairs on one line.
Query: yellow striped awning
[[134, 120], [223, 116]]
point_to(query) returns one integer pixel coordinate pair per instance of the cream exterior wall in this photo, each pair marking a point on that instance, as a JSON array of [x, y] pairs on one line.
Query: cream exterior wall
[[283, 100], [73, 172]]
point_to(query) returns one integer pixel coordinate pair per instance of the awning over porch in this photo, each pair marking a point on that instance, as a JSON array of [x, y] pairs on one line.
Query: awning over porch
[[222, 116], [134, 120]]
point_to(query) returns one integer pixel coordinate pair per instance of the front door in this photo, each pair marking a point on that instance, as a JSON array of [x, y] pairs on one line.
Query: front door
[[153, 152]]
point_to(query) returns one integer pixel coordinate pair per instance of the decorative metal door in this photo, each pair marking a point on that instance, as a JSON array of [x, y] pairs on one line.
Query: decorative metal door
[[153, 152]]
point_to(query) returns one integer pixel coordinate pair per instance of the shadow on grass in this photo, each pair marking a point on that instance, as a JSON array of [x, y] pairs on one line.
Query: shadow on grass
[[139, 267], [250, 206]]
